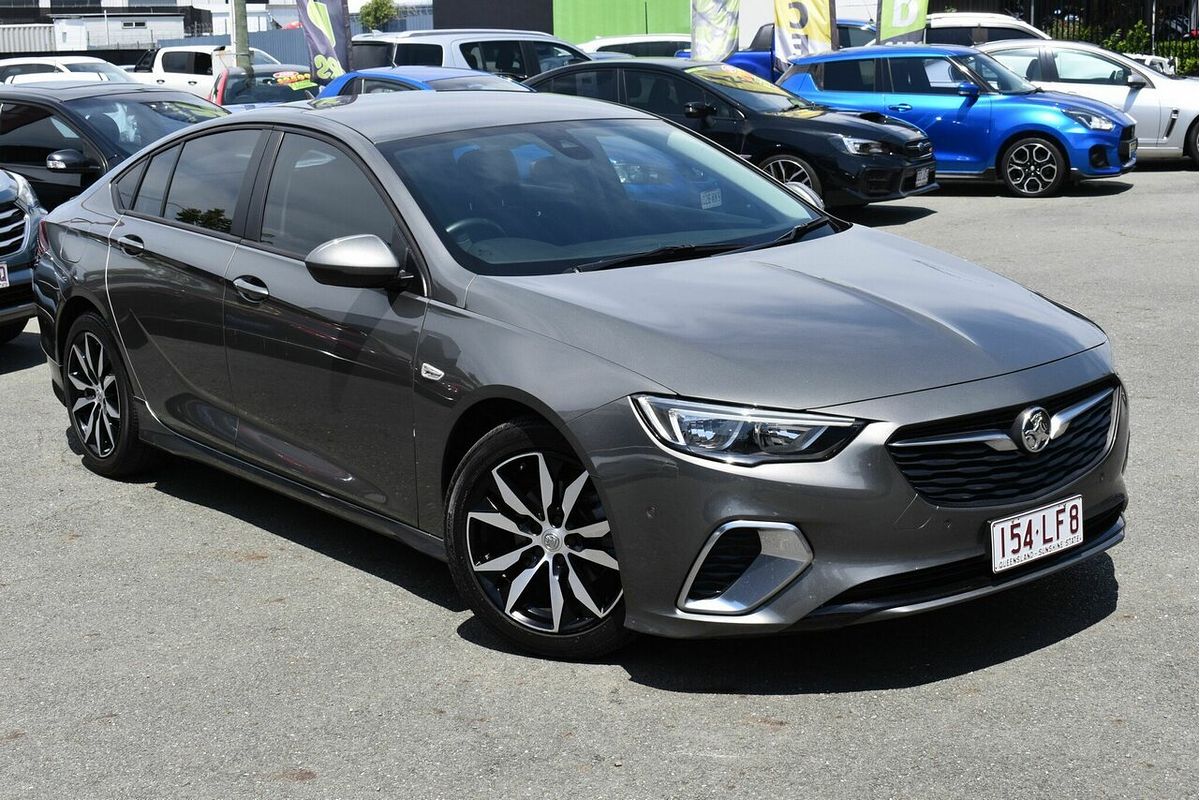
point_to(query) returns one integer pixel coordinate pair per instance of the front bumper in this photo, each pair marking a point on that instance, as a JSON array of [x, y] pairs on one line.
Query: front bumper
[[876, 179], [17, 300], [879, 549], [1103, 154]]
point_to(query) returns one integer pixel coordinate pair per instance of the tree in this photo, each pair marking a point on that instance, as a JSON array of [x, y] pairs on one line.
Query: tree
[[376, 13]]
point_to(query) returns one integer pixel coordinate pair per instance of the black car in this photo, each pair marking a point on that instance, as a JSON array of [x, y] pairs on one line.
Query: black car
[[849, 159], [62, 136]]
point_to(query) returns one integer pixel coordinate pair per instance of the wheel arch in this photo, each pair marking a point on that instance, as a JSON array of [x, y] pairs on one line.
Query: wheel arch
[[72, 309], [1032, 133]]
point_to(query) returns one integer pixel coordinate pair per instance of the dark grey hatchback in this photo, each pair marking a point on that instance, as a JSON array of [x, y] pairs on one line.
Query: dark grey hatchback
[[619, 379]]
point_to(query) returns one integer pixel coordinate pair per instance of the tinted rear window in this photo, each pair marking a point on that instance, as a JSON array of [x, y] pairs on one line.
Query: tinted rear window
[[270, 87], [597, 84], [208, 179], [365, 55], [848, 76], [418, 55]]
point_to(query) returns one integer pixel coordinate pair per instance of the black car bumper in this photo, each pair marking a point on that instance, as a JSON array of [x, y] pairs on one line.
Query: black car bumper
[[856, 180]]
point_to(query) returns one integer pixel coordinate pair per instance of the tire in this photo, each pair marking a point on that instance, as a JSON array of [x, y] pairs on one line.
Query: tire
[[789, 168], [11, 330], [107, 431], [1033, 167], [505, 535], [1191, 147]]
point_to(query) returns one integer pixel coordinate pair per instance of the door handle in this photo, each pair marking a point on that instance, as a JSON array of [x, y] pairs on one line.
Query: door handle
[[160, 80], [131, 245], [251, 289], [900, 107], [191, 83]]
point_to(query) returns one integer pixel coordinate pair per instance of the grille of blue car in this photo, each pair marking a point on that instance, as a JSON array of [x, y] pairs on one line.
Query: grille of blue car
[[974, 474], [12, 229]]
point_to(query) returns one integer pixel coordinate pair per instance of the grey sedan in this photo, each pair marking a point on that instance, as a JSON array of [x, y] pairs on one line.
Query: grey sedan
[[619, 379]]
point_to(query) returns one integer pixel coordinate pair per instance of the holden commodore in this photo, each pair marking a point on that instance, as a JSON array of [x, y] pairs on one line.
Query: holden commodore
[[685, 413]]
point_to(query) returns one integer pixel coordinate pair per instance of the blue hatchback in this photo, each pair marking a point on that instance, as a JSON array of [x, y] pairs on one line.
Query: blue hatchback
[[986, 122], [435, 79]]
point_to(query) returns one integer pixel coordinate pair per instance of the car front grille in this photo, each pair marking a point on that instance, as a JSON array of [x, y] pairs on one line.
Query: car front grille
[[950, 470], [12, 229], [919, 149]]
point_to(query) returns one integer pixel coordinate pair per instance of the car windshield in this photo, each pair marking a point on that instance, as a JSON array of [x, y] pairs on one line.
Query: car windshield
[[273, 86], [109, 72], [470, 83], [994, 74], [132, 122], [748, 89], [548, 197]]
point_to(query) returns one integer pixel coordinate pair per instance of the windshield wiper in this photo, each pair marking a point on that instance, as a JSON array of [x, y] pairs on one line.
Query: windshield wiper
[[794, 235], [673, 252]]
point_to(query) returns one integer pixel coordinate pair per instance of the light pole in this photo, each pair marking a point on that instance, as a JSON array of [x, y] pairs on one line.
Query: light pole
[[241, 37]]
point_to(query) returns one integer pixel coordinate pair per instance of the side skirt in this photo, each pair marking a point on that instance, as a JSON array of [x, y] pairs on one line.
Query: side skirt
[[154, 433]]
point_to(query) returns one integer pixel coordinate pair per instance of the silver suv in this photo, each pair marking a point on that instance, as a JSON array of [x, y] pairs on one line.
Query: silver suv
[[516, 54]]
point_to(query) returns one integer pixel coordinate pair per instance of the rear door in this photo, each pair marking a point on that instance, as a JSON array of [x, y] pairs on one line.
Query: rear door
[[322, 375], [168, 256], [851, 85], [924, 92], [499, 56]]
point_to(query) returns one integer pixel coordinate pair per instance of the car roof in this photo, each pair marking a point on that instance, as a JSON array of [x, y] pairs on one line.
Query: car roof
[[963, 17], [886, 51], [73, 89], [420, 73], [453, 34], [666, 62], [638, 37], [405, 115], [52, 60]]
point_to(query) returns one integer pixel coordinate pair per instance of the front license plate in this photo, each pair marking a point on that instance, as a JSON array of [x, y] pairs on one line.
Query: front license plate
[[922, 177], [3, 275], [1034, 534]]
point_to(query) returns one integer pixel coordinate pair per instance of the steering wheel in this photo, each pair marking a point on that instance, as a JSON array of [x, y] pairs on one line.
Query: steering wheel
[[457, 227]]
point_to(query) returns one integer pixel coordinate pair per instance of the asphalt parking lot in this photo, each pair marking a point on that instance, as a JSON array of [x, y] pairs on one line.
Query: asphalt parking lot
[[190, 635]]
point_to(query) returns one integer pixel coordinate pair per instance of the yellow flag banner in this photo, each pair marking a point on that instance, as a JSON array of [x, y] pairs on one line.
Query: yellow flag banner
[[803, 27]]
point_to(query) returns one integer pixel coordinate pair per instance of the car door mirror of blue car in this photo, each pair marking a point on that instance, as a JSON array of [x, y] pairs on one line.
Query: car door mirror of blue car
[[69, 161], [363, 261], [968, 89]]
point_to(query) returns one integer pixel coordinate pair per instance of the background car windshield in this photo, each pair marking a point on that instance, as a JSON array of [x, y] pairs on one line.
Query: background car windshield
[[270, 87], [747, 89], [131, 123], [467, 83], [998, 76], [110, 72], [546, 197]]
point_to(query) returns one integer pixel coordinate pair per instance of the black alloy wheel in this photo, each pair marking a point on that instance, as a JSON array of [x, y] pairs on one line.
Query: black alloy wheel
[[100, 402], [530, 547]]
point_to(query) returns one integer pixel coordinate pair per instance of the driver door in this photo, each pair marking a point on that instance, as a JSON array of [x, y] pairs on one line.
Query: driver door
[[924, 92]]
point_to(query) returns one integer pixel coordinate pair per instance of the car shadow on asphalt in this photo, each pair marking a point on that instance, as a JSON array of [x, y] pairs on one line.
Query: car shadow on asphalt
[[881, 215], [21, 353], [1097, 188], [308, 527], [884, 655]]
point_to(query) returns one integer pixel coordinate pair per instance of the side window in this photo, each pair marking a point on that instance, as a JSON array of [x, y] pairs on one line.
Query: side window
[[1000, 34], [208, 179], [420, 55], [30, 133], [848, 76], [24, 69], [177, 61], [925, 76], [126, 185], [365, 55], [958, 35], [306, 170], [854, 37], [597, 84], [146, 62], [1076, 67], [1024, 61], [502, 57], [202, 64], [377, 86], [660, 93], [551, 56], [154, 186]]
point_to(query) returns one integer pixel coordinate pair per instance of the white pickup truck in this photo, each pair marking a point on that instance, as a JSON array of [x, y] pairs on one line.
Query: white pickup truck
[[192, 68]]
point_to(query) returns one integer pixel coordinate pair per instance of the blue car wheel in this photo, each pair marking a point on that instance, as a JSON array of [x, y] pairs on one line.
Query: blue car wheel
[[1033, 167]]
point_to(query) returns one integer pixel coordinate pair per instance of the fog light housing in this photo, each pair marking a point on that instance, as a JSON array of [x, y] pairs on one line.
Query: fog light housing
[[742, 565]]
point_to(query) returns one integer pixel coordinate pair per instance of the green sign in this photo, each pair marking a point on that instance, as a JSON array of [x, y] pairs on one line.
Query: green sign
[[901, 20]]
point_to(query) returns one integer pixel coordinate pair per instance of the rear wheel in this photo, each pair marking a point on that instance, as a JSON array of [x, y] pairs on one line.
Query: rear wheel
[[1033, 167], [788, 168], [100, 401], [529, 545], [11, 330]]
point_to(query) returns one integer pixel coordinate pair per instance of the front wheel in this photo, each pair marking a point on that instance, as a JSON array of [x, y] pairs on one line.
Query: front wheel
[[100, 401], [1033, 167], [788, 168], [529, 545], [1191, 144]]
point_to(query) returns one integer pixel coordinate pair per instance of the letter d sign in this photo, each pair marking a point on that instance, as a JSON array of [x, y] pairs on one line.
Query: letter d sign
[[904, 13]]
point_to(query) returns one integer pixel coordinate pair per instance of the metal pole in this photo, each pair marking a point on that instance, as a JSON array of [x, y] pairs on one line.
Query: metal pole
[[241, 37]]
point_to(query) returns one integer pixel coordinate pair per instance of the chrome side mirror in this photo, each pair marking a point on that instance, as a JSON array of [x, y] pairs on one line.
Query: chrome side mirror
[[362, 261], [806, 194]]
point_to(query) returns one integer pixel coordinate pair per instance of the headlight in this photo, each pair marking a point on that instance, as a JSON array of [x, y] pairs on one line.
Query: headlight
[[1089, 120], [744, 435], [25, 195], [859, 147]]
